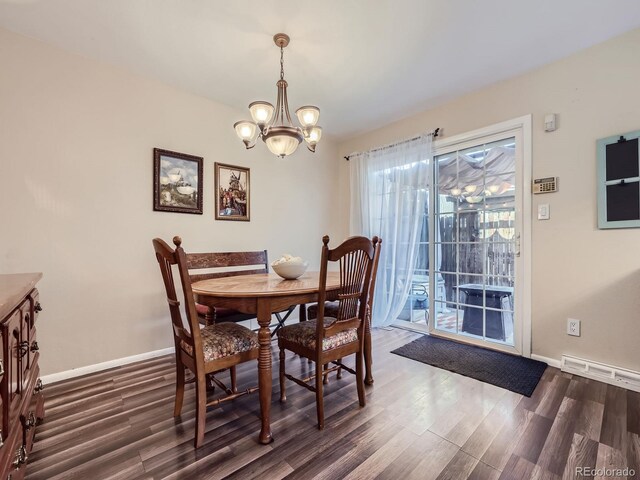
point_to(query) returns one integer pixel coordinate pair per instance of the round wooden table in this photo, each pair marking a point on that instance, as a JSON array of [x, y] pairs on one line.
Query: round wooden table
[[263, 294]]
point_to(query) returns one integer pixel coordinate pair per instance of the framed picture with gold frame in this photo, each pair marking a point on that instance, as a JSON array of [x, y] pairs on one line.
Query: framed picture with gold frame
[[232, 192]]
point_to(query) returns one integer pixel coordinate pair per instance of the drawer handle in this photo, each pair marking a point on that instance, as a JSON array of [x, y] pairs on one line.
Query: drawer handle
[[34, 346], [24, 348], [1, 439], [21, 457], [1, 367], [38, 307], [39, 386], [28, 422]]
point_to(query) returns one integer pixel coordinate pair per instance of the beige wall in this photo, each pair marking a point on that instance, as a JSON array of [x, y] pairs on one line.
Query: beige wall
[[76, 140], [578, 271]]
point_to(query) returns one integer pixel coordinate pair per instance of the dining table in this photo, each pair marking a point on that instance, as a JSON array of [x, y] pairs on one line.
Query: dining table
[[264, 294]]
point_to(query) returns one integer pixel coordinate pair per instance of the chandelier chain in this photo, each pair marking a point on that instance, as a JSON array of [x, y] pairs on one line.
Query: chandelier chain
[[281, 63], [281, 88]]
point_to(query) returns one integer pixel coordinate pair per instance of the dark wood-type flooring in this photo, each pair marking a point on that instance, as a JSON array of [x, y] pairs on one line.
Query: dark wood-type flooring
[[420, 422]]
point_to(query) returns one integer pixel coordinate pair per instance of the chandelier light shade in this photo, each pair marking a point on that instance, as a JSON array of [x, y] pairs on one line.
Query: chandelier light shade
[[261, 112], [274, 125], [247, 131], [308, 116]]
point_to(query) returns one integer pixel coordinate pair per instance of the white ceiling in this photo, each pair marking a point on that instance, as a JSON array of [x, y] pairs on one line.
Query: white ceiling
[[365, 63]]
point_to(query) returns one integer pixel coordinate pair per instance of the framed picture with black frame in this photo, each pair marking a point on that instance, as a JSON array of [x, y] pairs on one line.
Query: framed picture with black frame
[[177, 182]]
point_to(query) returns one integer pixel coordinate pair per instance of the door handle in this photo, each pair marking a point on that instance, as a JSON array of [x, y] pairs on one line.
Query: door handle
[[23, 348], [517, 245]]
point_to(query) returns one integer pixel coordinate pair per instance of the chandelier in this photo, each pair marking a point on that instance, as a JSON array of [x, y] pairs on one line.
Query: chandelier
[[274, 125]]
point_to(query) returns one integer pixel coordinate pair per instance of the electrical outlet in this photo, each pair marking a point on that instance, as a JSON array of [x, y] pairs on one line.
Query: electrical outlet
[[573, 327]]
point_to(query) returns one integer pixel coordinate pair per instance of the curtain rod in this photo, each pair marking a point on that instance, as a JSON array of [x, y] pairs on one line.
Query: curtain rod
[[434, 134]]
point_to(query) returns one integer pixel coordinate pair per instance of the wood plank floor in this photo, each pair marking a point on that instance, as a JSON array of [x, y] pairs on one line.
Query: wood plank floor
[[420, 422]]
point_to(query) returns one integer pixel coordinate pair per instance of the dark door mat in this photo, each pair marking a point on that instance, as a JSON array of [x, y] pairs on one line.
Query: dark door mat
[[518, 374]]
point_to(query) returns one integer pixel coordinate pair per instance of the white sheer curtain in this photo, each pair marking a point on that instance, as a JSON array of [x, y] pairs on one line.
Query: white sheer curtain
[[388, 198]]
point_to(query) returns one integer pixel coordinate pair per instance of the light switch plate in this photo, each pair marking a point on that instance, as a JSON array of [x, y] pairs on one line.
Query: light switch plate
[[544, 212]]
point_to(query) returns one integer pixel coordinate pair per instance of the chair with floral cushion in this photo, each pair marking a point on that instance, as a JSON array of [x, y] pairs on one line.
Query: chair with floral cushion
[[206, 350], [327, 340], [331, 310]]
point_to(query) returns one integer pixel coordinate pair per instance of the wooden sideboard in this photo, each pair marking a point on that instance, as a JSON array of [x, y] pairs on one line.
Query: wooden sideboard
[[21, 398]]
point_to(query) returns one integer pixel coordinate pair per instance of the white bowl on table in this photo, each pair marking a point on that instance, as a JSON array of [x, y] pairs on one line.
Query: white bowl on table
[[289, 270]]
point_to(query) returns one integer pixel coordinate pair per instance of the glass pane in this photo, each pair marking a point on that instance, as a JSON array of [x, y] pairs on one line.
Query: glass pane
[[501, 185], [499, 161], [499, 225], [447, 227], [501, 259], [470, 259], [499, 325], [447, 287], [507, 339], [498, 312], [470, 289], [446, 318], [447, 202], [447, 174], [414, 310], [471, 203], [446, 257], [472, 320], [469, 226]]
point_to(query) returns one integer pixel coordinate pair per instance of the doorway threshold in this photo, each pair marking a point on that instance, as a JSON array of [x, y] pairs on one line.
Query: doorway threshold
[[411, 327]]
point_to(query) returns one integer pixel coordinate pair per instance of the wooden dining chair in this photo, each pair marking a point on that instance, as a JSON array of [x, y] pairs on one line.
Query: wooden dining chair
[[207, 350], [228, 264], [331, 310], [327, 340]]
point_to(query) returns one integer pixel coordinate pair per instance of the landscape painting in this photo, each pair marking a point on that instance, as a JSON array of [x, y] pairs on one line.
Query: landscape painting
[[177, 182]]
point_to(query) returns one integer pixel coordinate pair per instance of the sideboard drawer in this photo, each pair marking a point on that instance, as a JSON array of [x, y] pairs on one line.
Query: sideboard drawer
[[12, 378]]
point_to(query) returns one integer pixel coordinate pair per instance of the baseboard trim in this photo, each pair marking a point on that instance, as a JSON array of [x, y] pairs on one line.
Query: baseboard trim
[[552, 362], [118, 362]]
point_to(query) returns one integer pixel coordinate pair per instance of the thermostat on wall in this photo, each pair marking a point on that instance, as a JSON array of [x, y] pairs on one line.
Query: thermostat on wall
[[545, 185]]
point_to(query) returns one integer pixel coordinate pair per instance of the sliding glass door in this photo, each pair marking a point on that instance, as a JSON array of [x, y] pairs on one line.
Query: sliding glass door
[[468, 276], [476, 242]]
